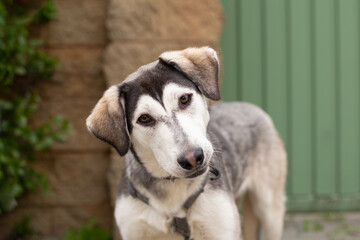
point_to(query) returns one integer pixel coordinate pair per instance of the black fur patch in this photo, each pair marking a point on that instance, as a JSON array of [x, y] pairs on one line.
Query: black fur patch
[[151, 82]]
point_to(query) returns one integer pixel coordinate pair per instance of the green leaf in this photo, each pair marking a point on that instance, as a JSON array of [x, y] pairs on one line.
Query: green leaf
[[20, 71], [89, 231], [22, 230], [21, 63], [22, 121], [46, 13]]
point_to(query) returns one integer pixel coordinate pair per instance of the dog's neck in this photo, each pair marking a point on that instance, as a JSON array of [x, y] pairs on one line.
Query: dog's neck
[[165, 194]]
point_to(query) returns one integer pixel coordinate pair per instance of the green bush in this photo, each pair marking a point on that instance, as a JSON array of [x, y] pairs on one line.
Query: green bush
[[22, 230], [22, 64], [88, 232]]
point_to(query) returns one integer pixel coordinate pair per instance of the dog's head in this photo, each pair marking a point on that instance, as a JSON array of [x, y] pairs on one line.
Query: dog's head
[[161, 113]]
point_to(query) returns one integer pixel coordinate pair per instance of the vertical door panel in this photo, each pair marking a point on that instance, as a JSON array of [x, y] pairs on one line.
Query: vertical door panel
[[300, 96], [250, 22], [325, 101], [349, 95], [229, 53], [275, 69]]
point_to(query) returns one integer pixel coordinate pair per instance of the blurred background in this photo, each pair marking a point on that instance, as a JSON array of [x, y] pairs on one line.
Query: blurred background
[[299, 60]]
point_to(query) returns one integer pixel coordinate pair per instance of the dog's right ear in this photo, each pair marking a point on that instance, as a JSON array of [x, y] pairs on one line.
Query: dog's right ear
[[107, 121]]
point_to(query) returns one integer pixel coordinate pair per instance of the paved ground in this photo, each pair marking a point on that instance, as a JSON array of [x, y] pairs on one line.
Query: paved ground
[[322, 226]]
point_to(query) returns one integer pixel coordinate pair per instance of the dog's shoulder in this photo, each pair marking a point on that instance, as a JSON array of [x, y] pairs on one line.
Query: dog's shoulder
[[238, 114], [235, 130], [240, 122]]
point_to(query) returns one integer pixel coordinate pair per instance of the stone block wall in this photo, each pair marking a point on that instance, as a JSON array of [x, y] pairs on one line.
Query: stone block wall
[[140, 30], [77, 168], [98, 43]]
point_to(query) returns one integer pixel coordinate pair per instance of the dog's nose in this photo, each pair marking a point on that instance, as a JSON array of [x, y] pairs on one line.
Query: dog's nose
[[192, 159]]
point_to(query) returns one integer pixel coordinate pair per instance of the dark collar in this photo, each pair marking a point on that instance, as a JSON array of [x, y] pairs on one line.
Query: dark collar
[[188, 203], [179, 225]]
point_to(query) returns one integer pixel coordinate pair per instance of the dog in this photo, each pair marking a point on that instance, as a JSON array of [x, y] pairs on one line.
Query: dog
[[188, 165]]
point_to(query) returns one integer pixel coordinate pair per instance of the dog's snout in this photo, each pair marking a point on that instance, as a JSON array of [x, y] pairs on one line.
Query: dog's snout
[[192, 159]]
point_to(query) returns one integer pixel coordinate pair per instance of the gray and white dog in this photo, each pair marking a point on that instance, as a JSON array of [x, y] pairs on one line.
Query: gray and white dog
[[185, 169]]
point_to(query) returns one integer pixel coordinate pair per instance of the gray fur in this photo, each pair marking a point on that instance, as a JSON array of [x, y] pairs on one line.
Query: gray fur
[[173, 124], [137, 173], [236, 136]]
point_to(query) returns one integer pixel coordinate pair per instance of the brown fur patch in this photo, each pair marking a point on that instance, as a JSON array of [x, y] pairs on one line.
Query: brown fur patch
[[200, 65]]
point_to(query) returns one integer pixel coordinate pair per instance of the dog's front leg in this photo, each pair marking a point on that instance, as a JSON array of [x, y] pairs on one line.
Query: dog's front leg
[[214, 216], [137, 220]]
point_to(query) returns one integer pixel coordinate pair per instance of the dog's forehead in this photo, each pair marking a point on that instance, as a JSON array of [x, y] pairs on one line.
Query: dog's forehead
[[151, 80]]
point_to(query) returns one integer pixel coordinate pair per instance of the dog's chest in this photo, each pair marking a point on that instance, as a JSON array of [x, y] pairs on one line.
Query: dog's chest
[[141, 221]]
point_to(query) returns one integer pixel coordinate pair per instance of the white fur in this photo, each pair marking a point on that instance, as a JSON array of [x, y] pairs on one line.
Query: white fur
[[141, 221], [157, 144], [138, 220], [210, 223]]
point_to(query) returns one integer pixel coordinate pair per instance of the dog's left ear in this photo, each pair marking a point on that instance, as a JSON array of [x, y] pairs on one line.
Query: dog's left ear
[[200, 65]]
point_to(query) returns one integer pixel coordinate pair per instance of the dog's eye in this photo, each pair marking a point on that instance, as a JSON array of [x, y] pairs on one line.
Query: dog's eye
[[145, 119], [185, 100]]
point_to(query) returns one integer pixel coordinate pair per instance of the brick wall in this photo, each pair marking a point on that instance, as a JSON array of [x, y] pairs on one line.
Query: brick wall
[[98, 43]]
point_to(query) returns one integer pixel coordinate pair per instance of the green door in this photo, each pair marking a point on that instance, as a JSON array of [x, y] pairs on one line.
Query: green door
[[300, 61]]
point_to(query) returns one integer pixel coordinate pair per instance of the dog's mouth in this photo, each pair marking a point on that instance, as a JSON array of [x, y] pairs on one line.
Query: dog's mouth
[[197, 172]]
